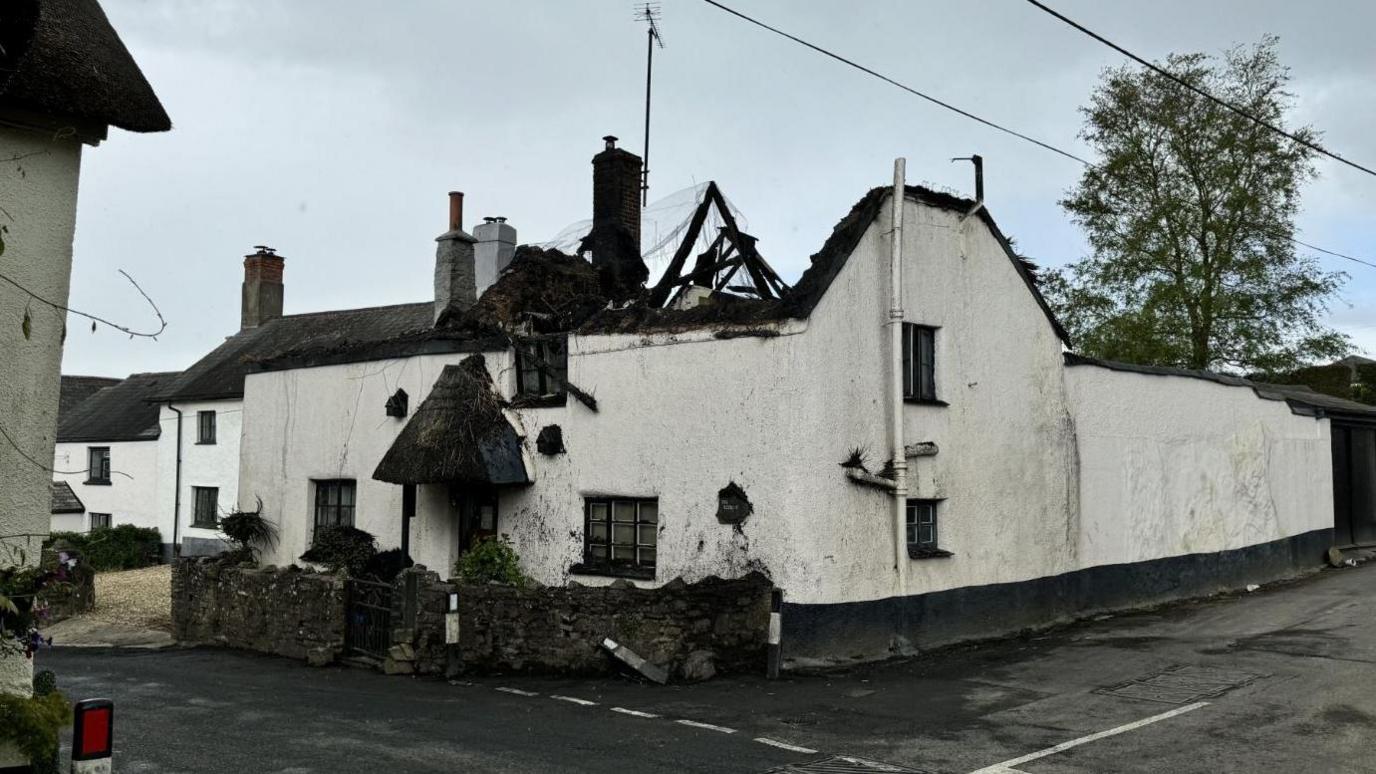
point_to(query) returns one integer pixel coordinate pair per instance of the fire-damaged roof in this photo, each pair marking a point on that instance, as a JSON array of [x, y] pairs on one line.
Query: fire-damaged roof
[[62, 57], [64, 500], [547, 291], [117, 413], [220, 374], [1302, 400], [459, 434]]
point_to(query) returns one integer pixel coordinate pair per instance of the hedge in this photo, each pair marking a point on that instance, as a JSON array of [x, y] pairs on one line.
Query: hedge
[[124, 547]]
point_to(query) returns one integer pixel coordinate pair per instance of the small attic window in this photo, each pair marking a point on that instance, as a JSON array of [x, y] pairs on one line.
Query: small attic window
[[398, 404], [542, 367]]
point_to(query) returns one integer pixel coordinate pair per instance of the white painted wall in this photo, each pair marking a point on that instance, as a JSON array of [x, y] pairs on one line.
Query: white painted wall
[[1173, 466], [214, 465], [39, 193], [131, 497], [681, 415], [308, 424]]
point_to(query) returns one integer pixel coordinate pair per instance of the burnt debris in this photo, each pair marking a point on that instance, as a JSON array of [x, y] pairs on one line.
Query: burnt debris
[[550, 441], [733, 507]]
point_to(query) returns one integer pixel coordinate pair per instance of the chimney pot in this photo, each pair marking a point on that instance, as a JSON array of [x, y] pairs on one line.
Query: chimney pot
[[456, 210], [610, 140]]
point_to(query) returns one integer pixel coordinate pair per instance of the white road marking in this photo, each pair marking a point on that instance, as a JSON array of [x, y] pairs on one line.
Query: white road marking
[[517, 691], [708, 726], [785, 745], [1005, 766], [575, 700], [636, 713]]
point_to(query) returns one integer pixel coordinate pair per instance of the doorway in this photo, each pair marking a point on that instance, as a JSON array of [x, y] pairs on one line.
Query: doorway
[[475, 508], [1354, 484]]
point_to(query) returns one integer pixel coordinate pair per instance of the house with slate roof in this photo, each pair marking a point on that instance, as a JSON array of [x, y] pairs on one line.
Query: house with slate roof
[[107, 456], [902, 440]]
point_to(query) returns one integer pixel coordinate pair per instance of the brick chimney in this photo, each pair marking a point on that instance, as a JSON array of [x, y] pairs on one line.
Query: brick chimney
[[495, 248], [262, 291], [455, 273], [614, 240]]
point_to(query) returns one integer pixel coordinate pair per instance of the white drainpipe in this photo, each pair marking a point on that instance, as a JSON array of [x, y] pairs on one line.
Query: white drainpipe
[[897, 451]]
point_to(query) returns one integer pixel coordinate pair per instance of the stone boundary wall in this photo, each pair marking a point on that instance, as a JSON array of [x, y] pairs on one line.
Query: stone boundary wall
[[284, 611], [693, 631]]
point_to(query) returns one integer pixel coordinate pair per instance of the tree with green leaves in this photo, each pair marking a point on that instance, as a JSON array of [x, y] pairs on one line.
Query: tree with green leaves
[[1189, 217]]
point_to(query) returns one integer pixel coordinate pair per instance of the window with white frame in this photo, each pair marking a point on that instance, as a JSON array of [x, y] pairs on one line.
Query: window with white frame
[[922, 529], [100, 520], [205, 507], [98, 465]]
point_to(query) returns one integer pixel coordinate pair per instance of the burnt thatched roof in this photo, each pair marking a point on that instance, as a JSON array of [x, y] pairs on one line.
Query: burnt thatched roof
[[118, 413], [459, 434], [550, 290], [62, 57]]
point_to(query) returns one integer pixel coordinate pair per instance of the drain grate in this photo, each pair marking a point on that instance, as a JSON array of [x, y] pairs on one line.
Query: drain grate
[[845, 764], [1182, 684]]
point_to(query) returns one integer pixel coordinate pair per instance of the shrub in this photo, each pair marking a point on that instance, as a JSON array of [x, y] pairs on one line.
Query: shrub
[[249, 531], [125, 547], [386, 565], [342, 548], [492, 560], [33, 724]]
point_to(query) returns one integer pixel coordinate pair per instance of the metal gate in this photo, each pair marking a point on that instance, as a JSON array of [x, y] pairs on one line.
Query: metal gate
[[368, 618]]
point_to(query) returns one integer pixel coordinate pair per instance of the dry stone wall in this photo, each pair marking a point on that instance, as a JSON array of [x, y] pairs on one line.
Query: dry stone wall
[[288, 611]]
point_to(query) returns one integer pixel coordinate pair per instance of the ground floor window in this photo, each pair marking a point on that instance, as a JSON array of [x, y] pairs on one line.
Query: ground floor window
[[922, 529], [100, 520], [334, 503], [205, 506], [620, 536]]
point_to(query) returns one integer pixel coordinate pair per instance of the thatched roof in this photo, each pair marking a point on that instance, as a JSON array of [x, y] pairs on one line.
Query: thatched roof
[[551, 290], [458, 435], [62, 57]]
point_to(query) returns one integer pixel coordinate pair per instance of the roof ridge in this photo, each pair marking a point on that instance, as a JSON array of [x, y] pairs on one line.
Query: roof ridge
[[348, 311]]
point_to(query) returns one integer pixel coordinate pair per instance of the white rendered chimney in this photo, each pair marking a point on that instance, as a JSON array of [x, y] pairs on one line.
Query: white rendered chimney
[[494, 250]]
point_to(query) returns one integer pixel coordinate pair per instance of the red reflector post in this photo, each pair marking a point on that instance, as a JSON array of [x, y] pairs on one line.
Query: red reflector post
[[93, 736]]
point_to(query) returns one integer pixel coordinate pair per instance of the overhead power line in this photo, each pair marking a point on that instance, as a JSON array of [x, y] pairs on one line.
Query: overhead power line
[[985, 121], [1201, 92], [902, 86]]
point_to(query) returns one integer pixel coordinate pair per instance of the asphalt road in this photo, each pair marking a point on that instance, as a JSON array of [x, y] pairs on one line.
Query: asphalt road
[[1280, 680]]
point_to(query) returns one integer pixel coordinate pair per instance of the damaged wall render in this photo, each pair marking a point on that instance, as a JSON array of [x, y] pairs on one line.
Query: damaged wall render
[[681, 411]]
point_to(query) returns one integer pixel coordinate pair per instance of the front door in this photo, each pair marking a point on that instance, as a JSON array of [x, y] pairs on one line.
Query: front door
[[475, 508]]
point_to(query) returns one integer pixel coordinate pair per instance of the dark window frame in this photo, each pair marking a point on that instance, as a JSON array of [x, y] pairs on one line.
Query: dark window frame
[[605, 562], [98, 472], [107, 518], [919, 364], [332, 511], [205, 516], [534, 384], [922, 546], [204, 438]]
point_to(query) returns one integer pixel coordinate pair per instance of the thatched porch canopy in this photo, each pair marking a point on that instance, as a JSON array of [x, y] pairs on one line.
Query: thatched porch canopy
[[458, 435]]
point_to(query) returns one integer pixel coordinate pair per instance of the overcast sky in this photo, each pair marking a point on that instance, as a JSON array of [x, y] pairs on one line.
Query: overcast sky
[[332, 130]]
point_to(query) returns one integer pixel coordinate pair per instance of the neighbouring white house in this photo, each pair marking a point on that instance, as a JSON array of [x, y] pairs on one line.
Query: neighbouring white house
[[901, 440], [107, 458], [65, 78]]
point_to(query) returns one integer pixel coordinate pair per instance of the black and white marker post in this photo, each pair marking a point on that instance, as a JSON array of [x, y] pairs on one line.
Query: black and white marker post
[[776, 632], [93, 736]]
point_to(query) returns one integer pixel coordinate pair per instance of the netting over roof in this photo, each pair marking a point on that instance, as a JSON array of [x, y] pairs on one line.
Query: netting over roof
[[662, 225]]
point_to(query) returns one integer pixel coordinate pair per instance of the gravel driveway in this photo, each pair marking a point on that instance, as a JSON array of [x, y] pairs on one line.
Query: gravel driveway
[[139, 598]]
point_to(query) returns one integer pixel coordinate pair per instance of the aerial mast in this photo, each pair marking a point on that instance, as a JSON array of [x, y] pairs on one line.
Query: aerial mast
[[650, 14]]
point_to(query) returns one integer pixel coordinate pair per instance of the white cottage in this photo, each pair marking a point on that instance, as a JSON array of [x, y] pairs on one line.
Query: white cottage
[[107, 458], [725, 434]]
